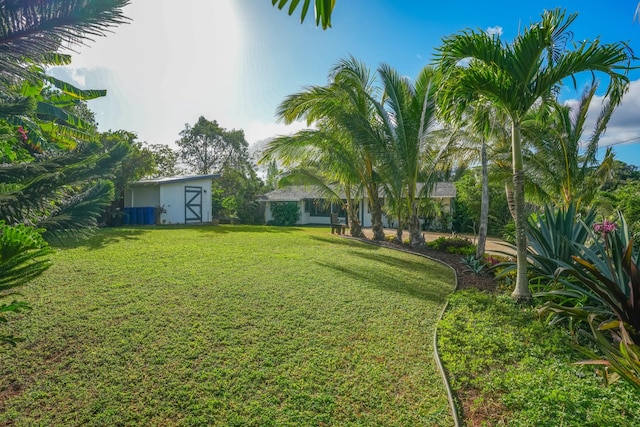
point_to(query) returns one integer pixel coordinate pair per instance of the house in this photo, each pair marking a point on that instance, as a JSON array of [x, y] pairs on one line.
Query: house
[[314, 209], [172, 200]]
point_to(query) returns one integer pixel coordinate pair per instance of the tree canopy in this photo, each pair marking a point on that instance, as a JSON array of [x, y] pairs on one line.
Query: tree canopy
[[206, 147]]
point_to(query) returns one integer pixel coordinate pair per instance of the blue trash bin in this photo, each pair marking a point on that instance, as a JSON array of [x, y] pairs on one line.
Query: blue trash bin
[[149, 215], [139, 216]]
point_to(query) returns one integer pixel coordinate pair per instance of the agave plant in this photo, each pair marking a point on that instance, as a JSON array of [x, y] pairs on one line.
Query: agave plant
[[551, 239]]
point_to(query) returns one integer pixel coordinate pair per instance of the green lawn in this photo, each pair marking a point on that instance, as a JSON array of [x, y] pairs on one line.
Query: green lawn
[[227, 326], [508, 368]]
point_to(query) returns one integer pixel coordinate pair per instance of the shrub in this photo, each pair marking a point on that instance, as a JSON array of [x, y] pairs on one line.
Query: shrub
[[285, 213], [453, 245]]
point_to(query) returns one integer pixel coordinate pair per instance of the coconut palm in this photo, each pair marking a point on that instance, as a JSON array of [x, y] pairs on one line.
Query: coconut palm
[[516, 77], [408, 125], [345, 107], [322, 158]]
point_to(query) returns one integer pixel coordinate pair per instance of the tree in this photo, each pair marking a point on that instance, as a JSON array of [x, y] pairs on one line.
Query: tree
[[166, 160], [63, 193], [322, 8], [323, 158], [32, 31], [206, 147], [344, 112], [137, 164], [564, 163], [234, 194], [516, 77], [410, 153]]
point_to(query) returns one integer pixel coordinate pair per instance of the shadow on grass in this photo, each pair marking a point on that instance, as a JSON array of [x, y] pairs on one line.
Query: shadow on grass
[[387, 282], [226, 229], [104, 237], [345, 242], [419, 264]]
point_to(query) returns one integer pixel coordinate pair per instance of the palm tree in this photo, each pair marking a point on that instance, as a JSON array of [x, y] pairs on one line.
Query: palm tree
[[32, 31], [322, 9], [322, 158], [564, 165], [345, 107], [516, 77], [407, 115]]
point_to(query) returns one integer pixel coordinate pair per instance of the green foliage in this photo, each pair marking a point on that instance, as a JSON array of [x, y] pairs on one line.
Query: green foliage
[[551, 238], [165, 159], [23, 256], [138, 163], [285, 213], [468, 199], [322, 9], [34, 31], [234, 195], [508, 368], [208, 148], [600, 286], [453, 245], [66, 194], [474, 265]]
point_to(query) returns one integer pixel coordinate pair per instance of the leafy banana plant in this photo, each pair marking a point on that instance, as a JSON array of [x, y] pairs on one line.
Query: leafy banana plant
[[53, 123]]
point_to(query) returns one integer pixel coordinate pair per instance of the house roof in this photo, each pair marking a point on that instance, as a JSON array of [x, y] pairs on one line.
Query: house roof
[[174, 179], [299, 192], [291, 193], [441, 189]]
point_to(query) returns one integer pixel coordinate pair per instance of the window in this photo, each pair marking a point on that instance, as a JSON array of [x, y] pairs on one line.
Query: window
[[320, 207]]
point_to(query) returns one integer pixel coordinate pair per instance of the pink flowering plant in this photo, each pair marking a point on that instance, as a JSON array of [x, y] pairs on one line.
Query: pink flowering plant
[[605, 227], [606, 274]]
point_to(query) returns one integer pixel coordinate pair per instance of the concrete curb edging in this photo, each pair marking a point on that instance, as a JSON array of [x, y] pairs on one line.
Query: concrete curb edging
[[455, 411]]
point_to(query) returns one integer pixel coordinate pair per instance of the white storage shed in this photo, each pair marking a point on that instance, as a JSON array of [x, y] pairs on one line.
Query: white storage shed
[[173, 200]]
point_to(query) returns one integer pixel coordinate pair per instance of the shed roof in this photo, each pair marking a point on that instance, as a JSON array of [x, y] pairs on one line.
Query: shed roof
[[174, 179], [299, 192]]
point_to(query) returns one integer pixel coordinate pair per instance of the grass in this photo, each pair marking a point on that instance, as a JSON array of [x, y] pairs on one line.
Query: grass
[[228, 326], [508, 368]]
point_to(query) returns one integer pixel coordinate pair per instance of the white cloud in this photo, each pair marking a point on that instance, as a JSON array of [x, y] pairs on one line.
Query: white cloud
[[256, 131], [623, 125], [495, 31]]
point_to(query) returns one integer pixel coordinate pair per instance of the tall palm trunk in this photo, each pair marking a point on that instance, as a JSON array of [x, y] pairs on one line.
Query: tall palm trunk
[[484, 202], [399, 228], [415, 234], [521, 291], [511, 201], [376, 214], [355, 227]]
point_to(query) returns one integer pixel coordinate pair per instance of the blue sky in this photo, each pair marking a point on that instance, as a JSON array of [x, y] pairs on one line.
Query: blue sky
[[235, 60]]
